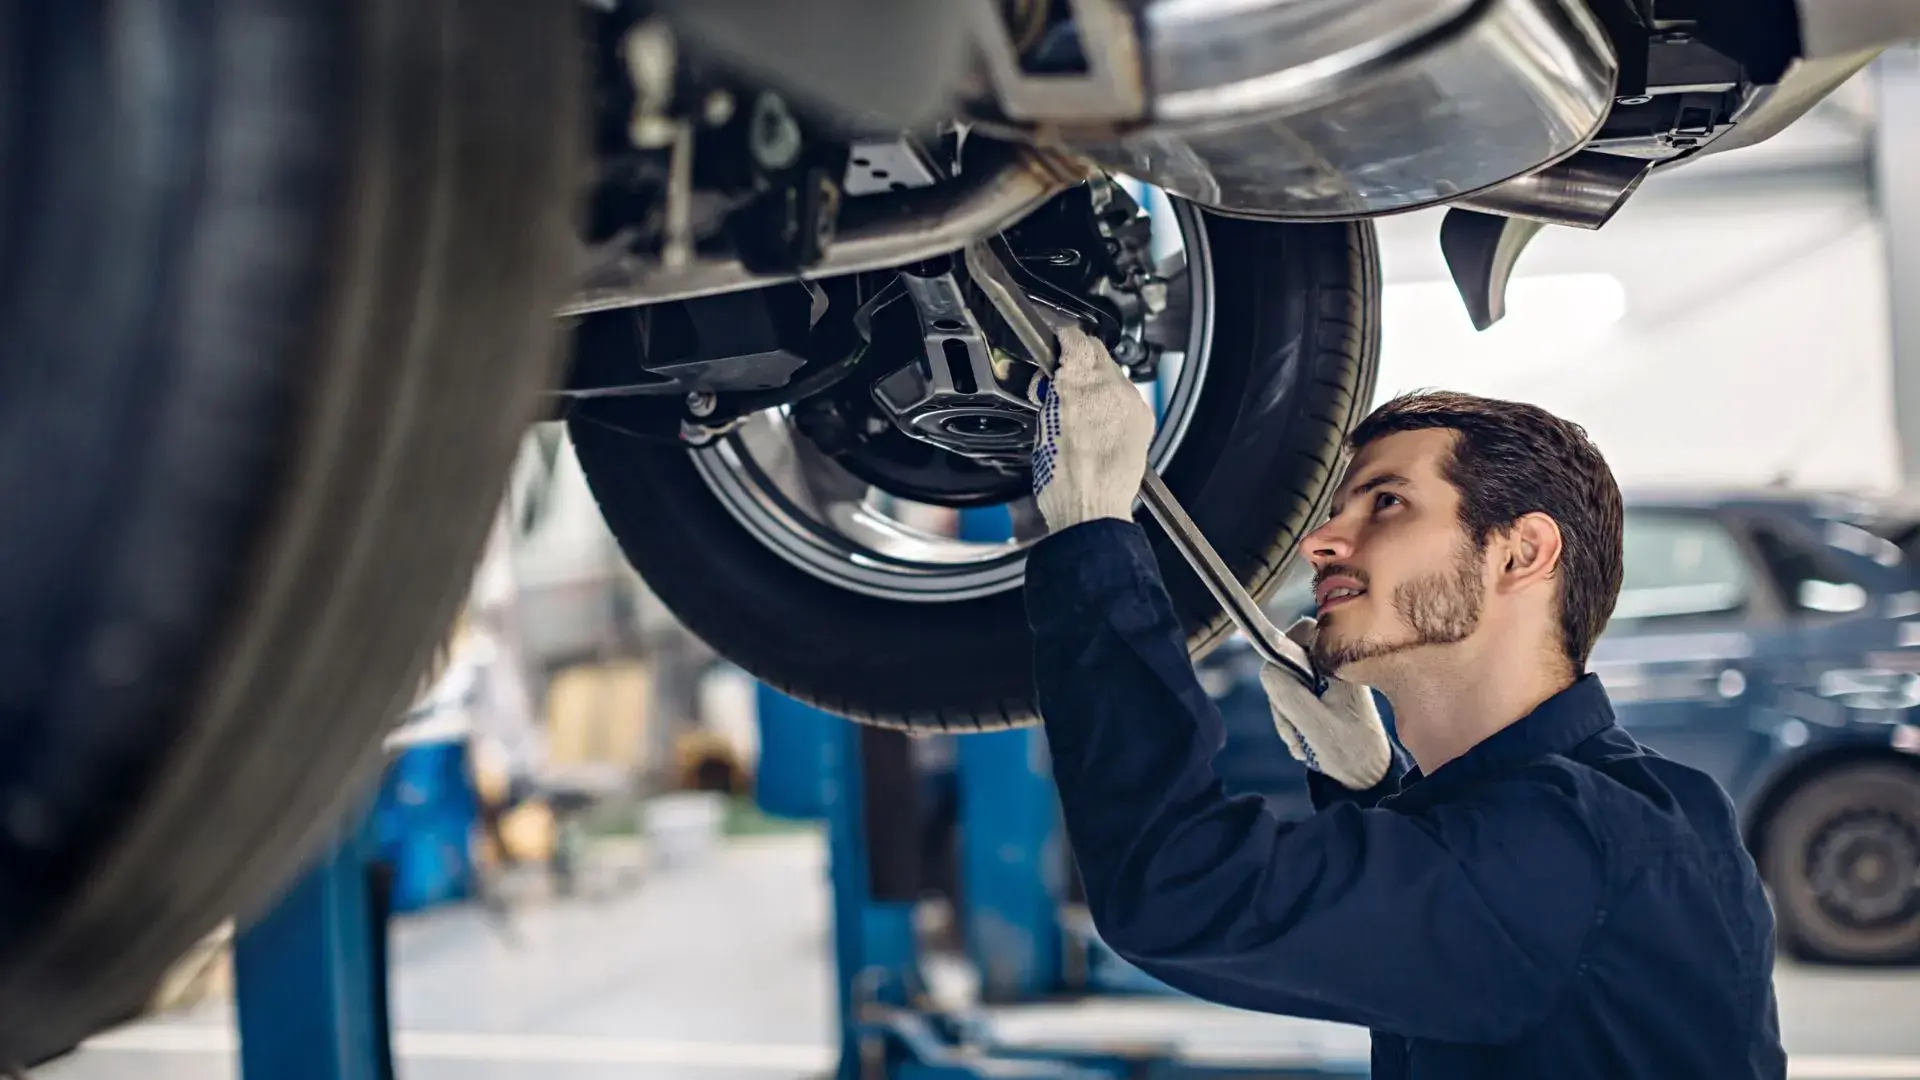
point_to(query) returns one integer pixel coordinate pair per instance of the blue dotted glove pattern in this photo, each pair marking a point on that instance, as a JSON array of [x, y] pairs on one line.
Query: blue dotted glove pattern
[[1046, 445], [1312, 759]]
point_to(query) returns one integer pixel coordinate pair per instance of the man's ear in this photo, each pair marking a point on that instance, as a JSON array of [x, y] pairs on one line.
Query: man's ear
[[1530, 552]]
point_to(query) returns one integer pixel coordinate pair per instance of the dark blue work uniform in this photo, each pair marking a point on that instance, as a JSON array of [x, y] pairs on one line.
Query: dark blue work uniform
[[1557, 902]]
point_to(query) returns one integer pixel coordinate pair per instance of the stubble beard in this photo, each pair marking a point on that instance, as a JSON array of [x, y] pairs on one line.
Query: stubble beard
[[1439, 609]]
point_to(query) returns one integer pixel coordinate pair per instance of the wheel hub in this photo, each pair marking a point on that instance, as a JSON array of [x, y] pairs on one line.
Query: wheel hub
[[1866, 869], [972, 428]]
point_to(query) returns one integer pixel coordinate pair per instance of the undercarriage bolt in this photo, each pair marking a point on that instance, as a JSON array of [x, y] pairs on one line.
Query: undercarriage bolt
[[1153, 293], [1128, 351], [772, 136], [702, 403]]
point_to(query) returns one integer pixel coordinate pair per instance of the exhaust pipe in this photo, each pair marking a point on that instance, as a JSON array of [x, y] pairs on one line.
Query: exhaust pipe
[[1483, 235], [1583, 191], [1003, 184]]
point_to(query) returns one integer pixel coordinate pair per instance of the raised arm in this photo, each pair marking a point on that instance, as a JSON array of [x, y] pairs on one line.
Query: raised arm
[[1424, 925]]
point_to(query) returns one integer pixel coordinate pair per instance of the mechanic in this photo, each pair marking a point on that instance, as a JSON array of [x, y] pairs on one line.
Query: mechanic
[[1533, 894]]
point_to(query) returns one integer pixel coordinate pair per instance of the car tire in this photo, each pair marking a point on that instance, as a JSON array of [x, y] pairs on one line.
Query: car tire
[[1295, 348], [1804, 830], [276, 292]]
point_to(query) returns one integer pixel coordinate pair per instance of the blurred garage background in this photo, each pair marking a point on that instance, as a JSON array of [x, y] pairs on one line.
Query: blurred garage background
[[591, 864]]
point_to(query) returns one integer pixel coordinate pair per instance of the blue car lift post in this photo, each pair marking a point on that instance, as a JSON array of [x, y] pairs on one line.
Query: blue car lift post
[[310, 976], [311, 973]]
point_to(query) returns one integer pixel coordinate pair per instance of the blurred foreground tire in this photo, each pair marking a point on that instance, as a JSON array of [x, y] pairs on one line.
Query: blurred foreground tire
[[275, 289]]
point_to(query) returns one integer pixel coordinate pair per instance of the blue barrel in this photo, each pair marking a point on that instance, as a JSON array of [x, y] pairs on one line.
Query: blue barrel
[[424, 822]]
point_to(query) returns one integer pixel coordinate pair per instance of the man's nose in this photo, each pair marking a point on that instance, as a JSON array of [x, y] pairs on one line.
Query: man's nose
[[1326, 544]]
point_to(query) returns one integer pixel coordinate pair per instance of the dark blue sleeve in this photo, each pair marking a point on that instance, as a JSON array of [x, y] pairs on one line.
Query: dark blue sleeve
[[1326, 791], [1461, 924]]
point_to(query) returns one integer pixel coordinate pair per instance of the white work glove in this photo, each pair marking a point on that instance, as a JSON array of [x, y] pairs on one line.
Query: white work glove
[[1095, 427], [1337, 733]]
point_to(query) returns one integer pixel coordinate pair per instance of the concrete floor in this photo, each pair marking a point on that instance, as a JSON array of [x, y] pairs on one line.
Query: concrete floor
[[723, 970]]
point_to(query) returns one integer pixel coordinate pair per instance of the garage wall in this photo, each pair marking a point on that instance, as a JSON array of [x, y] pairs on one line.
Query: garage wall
[[1730, 331]]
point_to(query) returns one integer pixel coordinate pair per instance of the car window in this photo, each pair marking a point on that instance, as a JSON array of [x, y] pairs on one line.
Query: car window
[[1868, 543], [1810, 580], [1680, 564]]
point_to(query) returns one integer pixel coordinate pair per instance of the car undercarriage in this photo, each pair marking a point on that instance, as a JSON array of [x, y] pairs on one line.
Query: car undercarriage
[[796, 280]]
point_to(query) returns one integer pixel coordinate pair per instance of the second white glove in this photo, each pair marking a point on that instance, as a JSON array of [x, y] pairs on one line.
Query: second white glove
[[1095, 427], [1339, 733]]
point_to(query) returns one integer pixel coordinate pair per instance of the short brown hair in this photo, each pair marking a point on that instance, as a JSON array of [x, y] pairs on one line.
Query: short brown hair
[[1510, 459]]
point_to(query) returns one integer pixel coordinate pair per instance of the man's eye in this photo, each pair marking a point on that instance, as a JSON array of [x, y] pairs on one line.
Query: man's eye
[[1384, 499]]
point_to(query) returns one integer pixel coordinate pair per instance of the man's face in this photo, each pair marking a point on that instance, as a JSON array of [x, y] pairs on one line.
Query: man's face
[[1393, 567]]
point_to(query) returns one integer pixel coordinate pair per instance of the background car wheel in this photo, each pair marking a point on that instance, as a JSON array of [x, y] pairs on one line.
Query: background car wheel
[[1842, 855], [1285, 333], [276, 283]]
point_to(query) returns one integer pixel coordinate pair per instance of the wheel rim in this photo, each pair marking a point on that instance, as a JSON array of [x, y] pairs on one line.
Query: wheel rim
[[1863, 867], [814, 514]]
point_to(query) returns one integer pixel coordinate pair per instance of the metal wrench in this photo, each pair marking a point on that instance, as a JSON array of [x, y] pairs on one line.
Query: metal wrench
[[1035, 332]]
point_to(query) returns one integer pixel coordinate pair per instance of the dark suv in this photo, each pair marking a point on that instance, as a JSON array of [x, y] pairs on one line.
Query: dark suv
[[1771, 639]]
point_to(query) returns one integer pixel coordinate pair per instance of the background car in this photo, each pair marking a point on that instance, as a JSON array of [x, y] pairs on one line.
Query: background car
[[1770, 639]]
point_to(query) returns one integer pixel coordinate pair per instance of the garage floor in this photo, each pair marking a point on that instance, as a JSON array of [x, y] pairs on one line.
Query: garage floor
[[722, 970]]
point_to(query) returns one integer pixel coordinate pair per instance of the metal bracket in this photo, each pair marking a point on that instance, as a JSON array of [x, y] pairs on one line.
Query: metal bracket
[[959, 396], [1481, 250], [1112, 87]]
